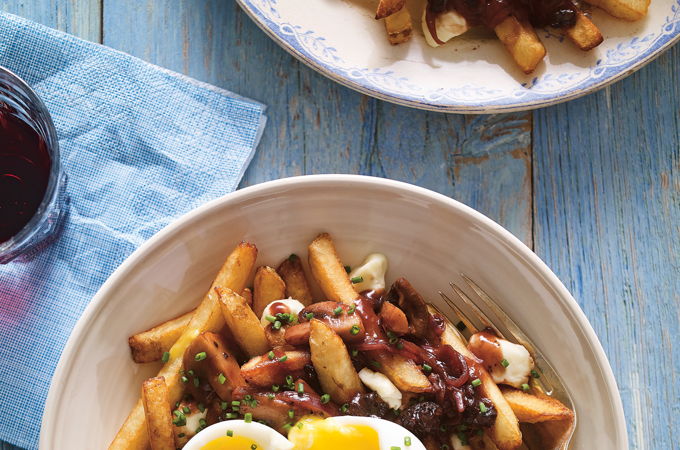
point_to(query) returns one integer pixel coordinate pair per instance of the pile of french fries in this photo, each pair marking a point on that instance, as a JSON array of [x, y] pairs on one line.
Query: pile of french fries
[[517, 35], [226, 323]]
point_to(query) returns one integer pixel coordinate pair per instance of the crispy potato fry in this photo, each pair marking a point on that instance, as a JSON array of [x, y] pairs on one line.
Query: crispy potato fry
[[293, 275], [388, 7], [264, 371], [584, 34], [149, 345], [521, 41], [333, 365], [329, 271], [624, 9], [505, 433], [267, 287], [398, 26], [404, 373], [242, 322], [157, 412], [533, 409], [207, 317], [247, 294]]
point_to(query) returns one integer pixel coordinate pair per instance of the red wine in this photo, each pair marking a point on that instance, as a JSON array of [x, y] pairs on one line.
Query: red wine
[[25, 165]]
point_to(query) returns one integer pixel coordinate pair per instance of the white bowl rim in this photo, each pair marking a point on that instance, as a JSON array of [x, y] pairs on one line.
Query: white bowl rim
[[79, 332]]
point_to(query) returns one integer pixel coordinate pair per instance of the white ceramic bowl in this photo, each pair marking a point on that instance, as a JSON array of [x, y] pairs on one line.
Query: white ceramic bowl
[[427, 237]]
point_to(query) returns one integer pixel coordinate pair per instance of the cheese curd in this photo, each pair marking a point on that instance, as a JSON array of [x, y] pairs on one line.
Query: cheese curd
[[457, 444], [520, 365], [372, 273], [447, 25], [382, 385], [293, 306]]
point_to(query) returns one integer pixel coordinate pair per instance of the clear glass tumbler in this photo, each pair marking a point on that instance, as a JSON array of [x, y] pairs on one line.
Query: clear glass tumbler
[[32, 182]]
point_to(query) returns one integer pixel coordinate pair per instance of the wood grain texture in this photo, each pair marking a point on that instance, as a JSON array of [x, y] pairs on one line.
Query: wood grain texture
[[79, 17], [317, 126], [607, 200]]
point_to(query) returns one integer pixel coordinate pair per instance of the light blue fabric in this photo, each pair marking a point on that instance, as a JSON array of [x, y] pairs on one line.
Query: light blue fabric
[[141, 146]]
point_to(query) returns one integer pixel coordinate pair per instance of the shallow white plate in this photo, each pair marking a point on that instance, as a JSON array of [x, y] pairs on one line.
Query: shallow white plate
[[341, 39], [427, 237]]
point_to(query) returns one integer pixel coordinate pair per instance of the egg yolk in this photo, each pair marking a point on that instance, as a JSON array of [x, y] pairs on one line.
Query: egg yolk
[[319, 434], [232, 443]]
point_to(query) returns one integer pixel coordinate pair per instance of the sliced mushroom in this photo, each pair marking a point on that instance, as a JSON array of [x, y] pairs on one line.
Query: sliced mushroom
[[413, 305], [273, 367]]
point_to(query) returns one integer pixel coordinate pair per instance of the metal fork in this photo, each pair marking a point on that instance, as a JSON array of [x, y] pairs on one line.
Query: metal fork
[[548, 381]]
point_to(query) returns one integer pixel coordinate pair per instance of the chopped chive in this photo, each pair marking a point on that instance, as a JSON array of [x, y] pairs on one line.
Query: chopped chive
[[191, 372], [355, 352], [186, 410], [289, 380], [248, 417], [184, 379], [271, 355], [300, 388], [277, 325], [348, 269], [460, 325], [270, 396], [231, 415], [407, 441], [235, 403], [201, 407], [525, 387], [325, 398], [275, 387], [230, 433], [427, 368], [476, 382], [200, 356], [356, 280], [224, 405], [309, 316], [444, 447], [287, 426], [352, 309], [482, 407], [375, 364], [235, 408], [253, 447], [535, 374], [337, 311], [197, 382], [394, 447], [221, 378], [299, 425], [344, 408], [505, 362], [181, 435], [270, 318], [390, 335], [393, 340], [354, 330], [283, 358], [166, 357], [292, 257], [202, 422], [291, 413], [400, 345], [442, 428]]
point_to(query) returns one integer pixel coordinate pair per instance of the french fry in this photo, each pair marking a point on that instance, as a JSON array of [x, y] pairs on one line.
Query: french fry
[[533, 409], [293, 275], [388, 7], [398, 26], [333, 364], [157, 414], [584, 34], [149, 345], [242, 321], [267, 287], [207, 317], [521, 41], [624, 9], [329, 271], [403, 372], [505, 432], [247, 294]]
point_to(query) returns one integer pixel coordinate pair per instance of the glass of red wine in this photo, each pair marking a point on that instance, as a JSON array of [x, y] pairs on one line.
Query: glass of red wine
[[32, 182]]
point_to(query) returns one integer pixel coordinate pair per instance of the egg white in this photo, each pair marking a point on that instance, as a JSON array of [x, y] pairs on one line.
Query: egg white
[[265, 436], [389, 433]]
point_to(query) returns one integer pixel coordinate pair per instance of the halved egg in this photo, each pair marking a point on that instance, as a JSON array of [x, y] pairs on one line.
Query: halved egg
[[238, 435], [351, 432]]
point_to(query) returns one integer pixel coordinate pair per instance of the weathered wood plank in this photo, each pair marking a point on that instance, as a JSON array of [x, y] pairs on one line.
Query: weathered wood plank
[[607, 201], [317, 126], [79, 17]]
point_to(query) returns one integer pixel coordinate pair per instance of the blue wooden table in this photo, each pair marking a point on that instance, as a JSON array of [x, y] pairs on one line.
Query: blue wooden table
[[593, 186]]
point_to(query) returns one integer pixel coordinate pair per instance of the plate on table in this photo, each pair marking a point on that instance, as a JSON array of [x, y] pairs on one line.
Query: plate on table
[[471, 73], [96, 382]]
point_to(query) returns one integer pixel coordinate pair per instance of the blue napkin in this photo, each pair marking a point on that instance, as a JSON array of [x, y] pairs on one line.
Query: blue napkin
[[141, 146]]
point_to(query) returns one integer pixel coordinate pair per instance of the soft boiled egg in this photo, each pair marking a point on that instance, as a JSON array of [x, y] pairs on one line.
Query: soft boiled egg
[[238, 435], [351, 432]]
